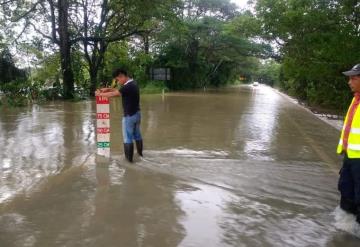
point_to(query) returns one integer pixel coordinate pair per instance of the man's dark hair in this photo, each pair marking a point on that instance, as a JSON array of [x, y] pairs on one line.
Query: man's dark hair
[[119, 71]]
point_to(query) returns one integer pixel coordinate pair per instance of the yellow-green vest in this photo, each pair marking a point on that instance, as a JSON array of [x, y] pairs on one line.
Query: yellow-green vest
[[353, 149]]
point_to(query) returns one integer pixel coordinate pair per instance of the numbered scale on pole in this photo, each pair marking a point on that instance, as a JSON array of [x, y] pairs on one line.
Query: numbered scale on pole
[[103, 126]]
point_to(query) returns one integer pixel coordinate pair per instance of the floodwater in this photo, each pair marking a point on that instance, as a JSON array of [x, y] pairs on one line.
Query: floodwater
[[237, 167]]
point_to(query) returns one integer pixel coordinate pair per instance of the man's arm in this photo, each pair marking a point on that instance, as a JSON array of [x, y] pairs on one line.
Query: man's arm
[[109, 93], [107, 89]]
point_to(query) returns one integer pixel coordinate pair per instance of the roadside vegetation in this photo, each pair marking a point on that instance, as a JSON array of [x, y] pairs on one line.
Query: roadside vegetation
[[300, 47]]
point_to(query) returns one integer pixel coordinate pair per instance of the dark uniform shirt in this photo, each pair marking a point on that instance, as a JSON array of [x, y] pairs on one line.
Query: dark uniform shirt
[[130, 98]]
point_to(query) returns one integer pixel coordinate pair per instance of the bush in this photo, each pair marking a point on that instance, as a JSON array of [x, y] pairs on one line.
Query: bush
[[154, 87], [15, 93], [51, 93]]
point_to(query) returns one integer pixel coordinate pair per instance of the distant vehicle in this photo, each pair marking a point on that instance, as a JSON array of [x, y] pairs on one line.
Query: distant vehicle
[[255, 84]]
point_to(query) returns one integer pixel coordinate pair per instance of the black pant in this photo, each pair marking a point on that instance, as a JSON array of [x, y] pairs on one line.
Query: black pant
[[349, 184]]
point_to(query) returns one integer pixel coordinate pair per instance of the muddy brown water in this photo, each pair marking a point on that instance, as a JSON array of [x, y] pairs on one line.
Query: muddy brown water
[[236, 167]]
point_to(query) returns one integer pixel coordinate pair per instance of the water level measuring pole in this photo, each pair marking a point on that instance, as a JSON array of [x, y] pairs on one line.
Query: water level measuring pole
[[103, 126]]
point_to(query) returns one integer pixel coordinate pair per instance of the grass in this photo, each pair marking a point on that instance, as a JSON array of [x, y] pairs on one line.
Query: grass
[[154, 87]]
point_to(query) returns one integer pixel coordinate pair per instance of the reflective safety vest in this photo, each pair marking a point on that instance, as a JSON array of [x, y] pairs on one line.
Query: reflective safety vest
[[353, 148]]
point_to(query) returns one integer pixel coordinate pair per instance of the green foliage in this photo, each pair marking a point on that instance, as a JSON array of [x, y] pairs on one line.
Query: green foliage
[[8, 70], [208, 44], [203, 42], [116, 56], [269, 73], [154, 87], [316, 40], [13, 82], [15, 93], [210, 51], [46, 77], [134, 61], [48, 71], [81, 75]]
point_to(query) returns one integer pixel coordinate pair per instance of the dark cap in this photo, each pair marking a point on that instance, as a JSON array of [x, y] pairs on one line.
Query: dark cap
[[354, 71]]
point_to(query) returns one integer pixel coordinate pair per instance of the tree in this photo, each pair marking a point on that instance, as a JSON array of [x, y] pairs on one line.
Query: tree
[[208, 47], [8, 71], [316, 41], [269, 73], [115, 21], [88, 24], [50, 19], [64, 43]]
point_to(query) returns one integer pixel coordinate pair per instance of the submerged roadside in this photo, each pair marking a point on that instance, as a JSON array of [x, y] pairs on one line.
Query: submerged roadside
[[330, 116]]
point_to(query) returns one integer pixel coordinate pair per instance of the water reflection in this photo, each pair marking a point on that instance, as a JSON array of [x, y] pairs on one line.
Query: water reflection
[[134, 212], [233, 167], [257, 126], [204, 207]]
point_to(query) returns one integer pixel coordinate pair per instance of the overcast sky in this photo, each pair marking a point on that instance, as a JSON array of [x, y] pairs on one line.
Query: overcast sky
[[240, 3]]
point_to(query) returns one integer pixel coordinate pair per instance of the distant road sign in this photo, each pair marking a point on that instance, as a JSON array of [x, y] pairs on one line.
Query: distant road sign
[[160, 74]]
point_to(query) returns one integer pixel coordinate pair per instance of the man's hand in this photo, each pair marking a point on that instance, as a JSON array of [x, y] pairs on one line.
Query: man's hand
[[109, 92], [98, 92], [106, 89]]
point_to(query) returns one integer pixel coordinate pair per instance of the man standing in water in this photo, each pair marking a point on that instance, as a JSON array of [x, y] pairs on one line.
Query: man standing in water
[[349, 146], [131, 104]]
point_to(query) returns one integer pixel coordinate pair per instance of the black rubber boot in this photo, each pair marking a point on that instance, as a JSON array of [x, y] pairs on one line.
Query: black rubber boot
[[358, 215], [129, 151], [139, 147], [348, 206]]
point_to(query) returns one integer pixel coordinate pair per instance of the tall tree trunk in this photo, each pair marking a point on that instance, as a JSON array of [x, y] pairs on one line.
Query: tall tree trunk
[[65, 50], [147, 52], [95, 62], [93, 71]]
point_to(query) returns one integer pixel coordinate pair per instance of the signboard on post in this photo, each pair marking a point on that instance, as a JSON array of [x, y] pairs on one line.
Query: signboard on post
[[103, 126], [160, 74]]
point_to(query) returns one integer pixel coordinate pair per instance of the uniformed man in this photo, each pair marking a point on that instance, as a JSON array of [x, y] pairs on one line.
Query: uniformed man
[[349, 146]]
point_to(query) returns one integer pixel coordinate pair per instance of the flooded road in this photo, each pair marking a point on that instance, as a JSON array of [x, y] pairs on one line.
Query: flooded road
[[237, 167]]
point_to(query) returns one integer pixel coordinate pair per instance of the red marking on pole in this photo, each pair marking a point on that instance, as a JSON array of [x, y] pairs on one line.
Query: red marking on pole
[[103, 130], [103, 116], [102, 100]]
